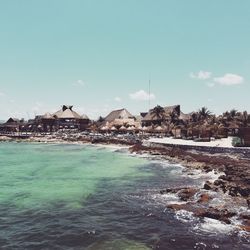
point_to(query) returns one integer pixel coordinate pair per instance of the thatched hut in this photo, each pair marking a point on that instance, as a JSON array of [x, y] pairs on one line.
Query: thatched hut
[[84, 122], [67, 118], [11, 125], [158, 114], [48, 122], [120, 114]]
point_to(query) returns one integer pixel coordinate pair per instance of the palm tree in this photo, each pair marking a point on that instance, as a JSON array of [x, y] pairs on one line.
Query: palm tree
[[244, 118], [233, 113], [174, 118], [195, 117], [159, 113], [100, 119], [204, 113]]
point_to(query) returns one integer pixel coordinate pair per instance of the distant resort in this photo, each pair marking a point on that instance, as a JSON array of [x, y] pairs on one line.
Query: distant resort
[[158, 122]]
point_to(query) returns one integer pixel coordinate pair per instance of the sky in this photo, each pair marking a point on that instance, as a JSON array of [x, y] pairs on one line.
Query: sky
[[100, 55]]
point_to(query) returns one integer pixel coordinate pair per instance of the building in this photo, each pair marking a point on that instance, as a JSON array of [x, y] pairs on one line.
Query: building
[[11, 125], [158, 115], [118, 114], [67, 118]]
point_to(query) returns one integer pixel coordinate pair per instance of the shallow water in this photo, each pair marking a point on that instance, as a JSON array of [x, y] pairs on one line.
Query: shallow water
[[83, 197]]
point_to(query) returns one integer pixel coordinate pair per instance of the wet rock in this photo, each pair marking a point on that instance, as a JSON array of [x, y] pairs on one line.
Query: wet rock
[[208, 185], [219, 183], [214, 213], [187, 193], [246, 224], [245, 217], [245, 228], [208, 169], [177, 207], [244, 191], [223, 177], [167, 190], [204, 198]]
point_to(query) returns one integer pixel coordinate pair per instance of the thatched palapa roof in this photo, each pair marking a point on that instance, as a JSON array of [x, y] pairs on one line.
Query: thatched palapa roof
[[13, 120], [48, 116], [84, 117], [119, 114], [185, 117], [66, 113]]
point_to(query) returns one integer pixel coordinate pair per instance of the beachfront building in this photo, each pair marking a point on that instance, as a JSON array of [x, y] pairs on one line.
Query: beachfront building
[[11, 125], [163, 115], [67, 118], [48, 122], [119, 120], [84, 122], [118, 114]]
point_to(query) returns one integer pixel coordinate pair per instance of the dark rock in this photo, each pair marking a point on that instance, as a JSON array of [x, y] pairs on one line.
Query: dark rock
[[187, 193], [177, 207], [244, 191], [166, 191], [214, 213], [208, 185], [233, 191], [219, 183], [204, 198], [245, 217]]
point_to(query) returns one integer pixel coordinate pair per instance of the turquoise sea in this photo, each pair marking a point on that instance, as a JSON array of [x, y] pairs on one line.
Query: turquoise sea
[[85, 197]]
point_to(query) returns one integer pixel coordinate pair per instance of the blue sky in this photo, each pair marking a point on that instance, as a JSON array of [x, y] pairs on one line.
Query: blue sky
[[99, 55]]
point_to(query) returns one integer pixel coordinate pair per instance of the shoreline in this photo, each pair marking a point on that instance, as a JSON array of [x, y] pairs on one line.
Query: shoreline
[[233, 181]]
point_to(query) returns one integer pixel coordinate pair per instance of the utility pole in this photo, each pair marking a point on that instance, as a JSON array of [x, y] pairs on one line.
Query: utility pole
[[149, 92]]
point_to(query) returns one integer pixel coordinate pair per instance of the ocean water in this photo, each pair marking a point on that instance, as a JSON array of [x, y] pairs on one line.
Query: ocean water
[[84, 197]]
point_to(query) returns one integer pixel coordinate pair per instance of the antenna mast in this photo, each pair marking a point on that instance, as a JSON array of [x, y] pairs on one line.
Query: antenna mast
[[149, 92]]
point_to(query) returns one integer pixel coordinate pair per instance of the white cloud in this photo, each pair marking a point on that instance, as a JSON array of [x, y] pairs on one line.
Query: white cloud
[[229, 79], [201, 75], [2, 94], [79, 83], [142, 95], [118, 99]]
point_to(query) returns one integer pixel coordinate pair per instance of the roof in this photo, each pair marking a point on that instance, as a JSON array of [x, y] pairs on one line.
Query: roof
[[185, 117], [85, 117], [67, 113], [170, 109], [48, 116], [119, 114], [120, 122], [13, 120]]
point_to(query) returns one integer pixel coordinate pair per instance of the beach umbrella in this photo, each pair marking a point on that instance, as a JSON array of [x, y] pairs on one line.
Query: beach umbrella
[[130, 128], [122, 128], [104, 128], [158, 129], [113, 128]]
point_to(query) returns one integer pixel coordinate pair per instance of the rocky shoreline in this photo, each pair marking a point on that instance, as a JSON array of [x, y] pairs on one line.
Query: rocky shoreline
[[233, 182]]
